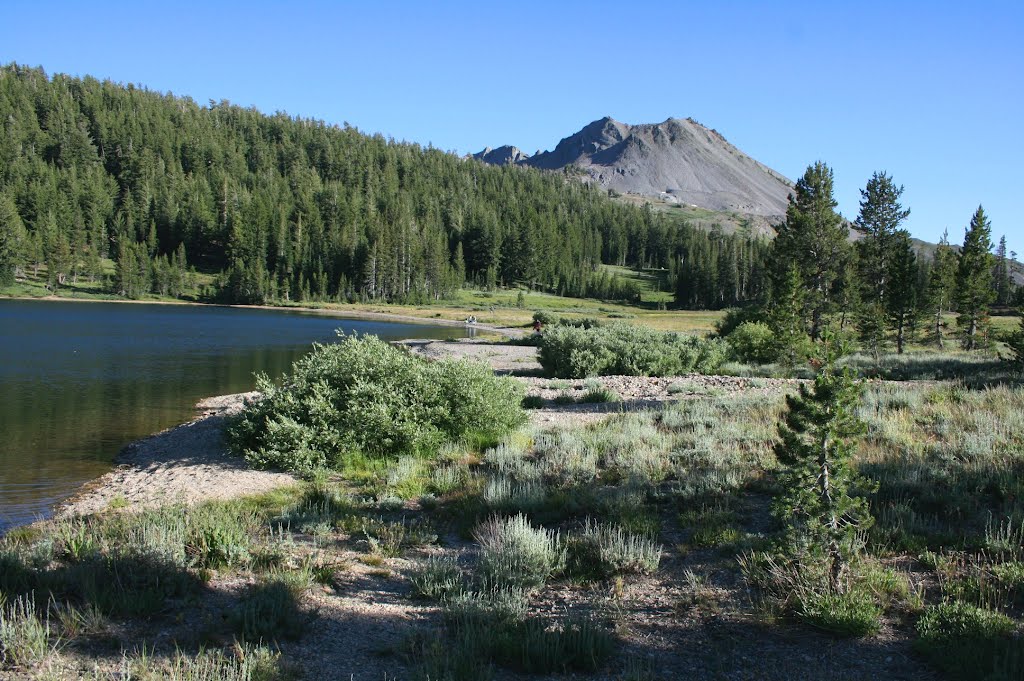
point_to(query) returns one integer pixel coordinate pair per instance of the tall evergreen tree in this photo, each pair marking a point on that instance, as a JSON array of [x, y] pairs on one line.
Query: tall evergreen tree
[[784, 316], [35, 251], [1003, 283], [134, 272], [939, 292], [880, 216], [974, 290], [59, 260], [902, 300], [846, 290], [813, 240], [12, 240]]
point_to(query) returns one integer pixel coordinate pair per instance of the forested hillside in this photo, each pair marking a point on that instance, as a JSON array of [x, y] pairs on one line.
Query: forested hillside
[[284, 208]]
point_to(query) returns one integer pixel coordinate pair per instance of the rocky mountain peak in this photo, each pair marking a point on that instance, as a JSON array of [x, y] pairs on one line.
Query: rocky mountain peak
[[502, 155], [678, 161]]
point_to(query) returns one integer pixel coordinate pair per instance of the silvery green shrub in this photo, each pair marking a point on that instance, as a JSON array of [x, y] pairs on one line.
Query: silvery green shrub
[[514, 554]]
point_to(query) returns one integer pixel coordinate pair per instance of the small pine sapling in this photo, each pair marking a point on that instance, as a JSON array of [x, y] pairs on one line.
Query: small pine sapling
[[819, 505]]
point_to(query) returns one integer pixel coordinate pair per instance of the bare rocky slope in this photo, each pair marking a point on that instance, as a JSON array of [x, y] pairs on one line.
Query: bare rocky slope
[[501, 156], [678, 161]]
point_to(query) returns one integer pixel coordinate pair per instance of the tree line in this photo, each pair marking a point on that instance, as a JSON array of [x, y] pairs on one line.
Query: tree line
[[880, 287], [290, 209]]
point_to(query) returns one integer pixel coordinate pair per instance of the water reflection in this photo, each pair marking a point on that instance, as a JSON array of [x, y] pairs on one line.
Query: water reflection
[[78, 381]]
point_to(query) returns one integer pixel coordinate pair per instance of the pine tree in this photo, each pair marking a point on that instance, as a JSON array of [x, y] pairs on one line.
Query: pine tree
[[458, 266], [941, 279], [872, 323], [974, 288], [785, 320], [93, 263], [59, 260], [880, 216], [12, 240], [35, 251], [126, 283], [813, 240], [847, 295], [134, 273], [1003, 283], [819, 506], [902, 301], [179, 270]]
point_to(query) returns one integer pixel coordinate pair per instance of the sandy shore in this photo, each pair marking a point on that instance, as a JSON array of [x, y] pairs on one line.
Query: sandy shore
[[189, 463]]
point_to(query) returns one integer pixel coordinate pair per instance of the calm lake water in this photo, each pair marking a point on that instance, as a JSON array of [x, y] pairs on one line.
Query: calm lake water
[[79, 381]]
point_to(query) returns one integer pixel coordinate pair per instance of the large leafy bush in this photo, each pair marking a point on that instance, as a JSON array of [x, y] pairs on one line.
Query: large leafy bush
[[753, 342], [362, 395], [626, 350]]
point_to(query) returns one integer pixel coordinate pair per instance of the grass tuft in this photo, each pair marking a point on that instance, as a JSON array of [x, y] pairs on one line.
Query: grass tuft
[[514, 554], [437, 579], [243, 663], [605, 550], [852, 613], [967, 642], [24, 635], [270, 611]]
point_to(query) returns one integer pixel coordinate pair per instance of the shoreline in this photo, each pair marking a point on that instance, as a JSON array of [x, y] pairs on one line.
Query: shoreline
[[190, 463], [327, 312], [96, 486], [186, 463]]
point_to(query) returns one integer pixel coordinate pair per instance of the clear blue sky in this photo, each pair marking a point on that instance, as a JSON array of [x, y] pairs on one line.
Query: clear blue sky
[[932, 92]]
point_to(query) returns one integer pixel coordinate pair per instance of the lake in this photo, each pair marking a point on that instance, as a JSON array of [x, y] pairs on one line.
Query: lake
[[80, 380]]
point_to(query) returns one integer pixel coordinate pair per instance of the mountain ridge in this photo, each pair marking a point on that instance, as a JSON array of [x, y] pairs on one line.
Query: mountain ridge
[[677, 161]]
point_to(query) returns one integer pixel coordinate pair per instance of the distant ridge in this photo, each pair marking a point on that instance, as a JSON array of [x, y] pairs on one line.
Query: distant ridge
[[678, 161], [501, 156]]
